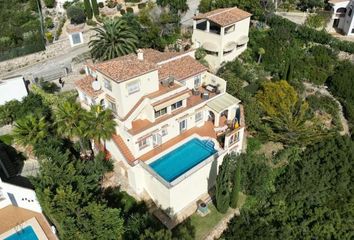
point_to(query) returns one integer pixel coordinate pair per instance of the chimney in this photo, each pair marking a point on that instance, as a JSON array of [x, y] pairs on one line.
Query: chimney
[[140, 54]]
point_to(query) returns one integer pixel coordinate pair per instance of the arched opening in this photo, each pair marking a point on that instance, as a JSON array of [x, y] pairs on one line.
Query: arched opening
[[223, 118], [211, 117]]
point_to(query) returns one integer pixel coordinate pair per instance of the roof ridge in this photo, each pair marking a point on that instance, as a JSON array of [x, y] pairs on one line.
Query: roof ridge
[[225, 10]]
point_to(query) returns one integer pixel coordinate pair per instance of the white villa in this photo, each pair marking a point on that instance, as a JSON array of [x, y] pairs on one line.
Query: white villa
[[175, 123], [223, 33], [342, 17], [21, 215]]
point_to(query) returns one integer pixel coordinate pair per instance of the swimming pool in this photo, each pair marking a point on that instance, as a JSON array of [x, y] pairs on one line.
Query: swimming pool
[[177, 162], [26, 233]]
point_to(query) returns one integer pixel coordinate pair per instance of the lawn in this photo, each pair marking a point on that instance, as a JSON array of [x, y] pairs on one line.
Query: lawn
[[7, 139], [203, 225]]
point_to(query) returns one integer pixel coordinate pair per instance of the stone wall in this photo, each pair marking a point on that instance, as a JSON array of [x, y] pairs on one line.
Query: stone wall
[[57, 48]]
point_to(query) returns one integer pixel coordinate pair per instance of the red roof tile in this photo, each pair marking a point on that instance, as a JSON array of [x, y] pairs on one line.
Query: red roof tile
[[181, 68], [85, 85], [224, 16]]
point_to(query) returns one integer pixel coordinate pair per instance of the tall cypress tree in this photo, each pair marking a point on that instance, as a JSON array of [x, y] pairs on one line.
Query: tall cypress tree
[[88, 9], [236, 185], [95, 9], [222, 194]]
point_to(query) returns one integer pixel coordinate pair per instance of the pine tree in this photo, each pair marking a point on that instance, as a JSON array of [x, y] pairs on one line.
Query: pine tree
[[222, 194], [236, 186], [88, 9], [95, 9]]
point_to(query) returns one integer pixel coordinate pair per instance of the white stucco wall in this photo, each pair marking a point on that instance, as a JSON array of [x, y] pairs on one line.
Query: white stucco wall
[[24, 197], [12, 89]]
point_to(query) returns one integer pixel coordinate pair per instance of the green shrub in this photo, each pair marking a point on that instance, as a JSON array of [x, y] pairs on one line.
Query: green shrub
[[111, 3], [130, 10], [49, 37], [100, 5], [91, 22], [60, 28], [49, 3], [122, 11], [49, 23], [67, 4], [76, 14]]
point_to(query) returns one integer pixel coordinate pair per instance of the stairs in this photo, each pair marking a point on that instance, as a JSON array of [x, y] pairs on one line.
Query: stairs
[[123, 148]]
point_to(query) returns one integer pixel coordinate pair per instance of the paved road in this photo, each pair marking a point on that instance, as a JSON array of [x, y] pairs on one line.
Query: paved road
[[50, 65], [186, 20], [296, 17]]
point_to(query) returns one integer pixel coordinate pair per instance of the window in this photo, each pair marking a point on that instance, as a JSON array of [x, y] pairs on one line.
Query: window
[[160, 112], [112, 106], [76, 38], [197, 81], [164, 131], [198, 116], [350, 12], [107, 84], [183, 125], [176, 105], [133, 87], [352, 30], [229, 29], [143, 143], [241, 45], [234, 138]]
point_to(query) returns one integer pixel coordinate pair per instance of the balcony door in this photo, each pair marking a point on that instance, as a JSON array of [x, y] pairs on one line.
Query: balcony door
[[183, 125], [156, 139]]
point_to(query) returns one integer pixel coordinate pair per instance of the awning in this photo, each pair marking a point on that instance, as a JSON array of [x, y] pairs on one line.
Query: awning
[[242, 40], [209, 46], [223, 102], [171, 101], [230, 46]]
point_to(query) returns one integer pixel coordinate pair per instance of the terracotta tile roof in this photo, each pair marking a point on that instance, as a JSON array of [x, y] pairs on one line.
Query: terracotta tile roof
[[123, 148], [162, 90], [140, 125], [85, 85], [12, 216], [124, 68], [181, 68], [224, 16], [155, 56]]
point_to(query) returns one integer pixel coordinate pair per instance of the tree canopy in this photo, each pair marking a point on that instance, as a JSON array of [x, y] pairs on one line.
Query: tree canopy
[[313, 198]]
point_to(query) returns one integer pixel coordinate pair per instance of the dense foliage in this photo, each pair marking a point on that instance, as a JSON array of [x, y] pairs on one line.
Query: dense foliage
[[20, 28], [312, 197], [76, 14], [155, 28]]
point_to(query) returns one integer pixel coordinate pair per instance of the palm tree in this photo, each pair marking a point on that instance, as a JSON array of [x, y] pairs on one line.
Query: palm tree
[[261, 52], [71, 121], [114, 39], [102, 124], [30, 130]]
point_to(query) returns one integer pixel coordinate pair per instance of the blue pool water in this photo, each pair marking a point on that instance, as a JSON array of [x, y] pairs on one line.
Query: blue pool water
[[182, 159], [26, 233]]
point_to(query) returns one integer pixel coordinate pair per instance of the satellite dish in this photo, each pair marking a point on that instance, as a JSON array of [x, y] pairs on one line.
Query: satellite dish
[[96, 85]]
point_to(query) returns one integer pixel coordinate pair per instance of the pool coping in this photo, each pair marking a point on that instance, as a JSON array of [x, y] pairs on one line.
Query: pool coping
[[169, 185], [32, 222]]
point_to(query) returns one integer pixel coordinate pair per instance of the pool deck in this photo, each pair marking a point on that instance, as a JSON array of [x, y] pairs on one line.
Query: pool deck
[[207, 130], [12, 216]]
